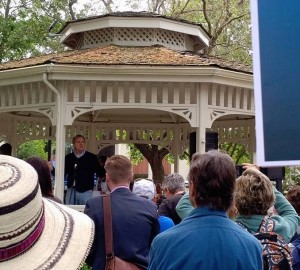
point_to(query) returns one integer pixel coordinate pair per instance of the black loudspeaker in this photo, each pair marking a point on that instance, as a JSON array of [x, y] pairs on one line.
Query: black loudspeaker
[[239, 170], [211, 142], [276, 174], [192, 144]]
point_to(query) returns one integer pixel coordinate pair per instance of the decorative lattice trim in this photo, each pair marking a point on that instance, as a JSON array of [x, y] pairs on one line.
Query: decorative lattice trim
[[102, 36], [136, 37]]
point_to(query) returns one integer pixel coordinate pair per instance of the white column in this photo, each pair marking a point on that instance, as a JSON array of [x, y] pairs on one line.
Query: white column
[[252, 141], [59, 117], [200, 139], [202, 117], [60, 147], [176, 149]]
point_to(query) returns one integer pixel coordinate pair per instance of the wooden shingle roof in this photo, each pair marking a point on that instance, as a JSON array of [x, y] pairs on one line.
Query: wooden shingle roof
[[139, 56]]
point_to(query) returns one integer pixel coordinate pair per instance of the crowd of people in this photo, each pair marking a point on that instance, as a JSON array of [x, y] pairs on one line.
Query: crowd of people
[[220, 223]]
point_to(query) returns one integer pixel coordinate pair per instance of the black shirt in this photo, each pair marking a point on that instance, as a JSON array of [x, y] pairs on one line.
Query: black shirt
[[81, 170], [168, 207]]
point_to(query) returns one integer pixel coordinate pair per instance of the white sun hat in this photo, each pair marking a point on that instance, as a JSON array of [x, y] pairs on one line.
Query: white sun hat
[[36, 233], [144, 188]]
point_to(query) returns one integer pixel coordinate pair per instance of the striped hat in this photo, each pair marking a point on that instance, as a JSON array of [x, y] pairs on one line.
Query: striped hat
[[36, 233]]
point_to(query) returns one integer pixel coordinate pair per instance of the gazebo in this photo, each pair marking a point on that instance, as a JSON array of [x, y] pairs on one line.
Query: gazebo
[[129, 78]]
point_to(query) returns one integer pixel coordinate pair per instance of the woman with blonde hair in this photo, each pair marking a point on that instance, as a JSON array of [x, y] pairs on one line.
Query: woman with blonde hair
[[255, 195]]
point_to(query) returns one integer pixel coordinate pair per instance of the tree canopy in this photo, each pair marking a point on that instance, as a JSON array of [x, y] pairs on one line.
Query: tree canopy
[[25, 24]]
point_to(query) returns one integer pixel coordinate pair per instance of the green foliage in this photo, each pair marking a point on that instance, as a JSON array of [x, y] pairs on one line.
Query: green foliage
[[292, 178], [238, 152], [184, 156], [226, 21], [86, 267], [24, 26], [32, 148], [135, 154]]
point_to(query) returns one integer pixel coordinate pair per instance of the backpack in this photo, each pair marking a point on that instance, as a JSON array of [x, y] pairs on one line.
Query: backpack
[[276, 252]]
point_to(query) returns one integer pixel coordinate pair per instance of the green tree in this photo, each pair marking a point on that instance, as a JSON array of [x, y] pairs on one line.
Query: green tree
[[154, 155], [158, 171], [34, 18], [238, 152], [135, 154], [292, 178], [32, 148], [226, 21]]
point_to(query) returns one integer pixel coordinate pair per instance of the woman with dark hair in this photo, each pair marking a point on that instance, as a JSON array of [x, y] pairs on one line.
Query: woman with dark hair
[[44, 177]]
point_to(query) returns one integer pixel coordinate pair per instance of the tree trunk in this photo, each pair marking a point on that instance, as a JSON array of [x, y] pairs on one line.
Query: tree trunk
[[158, 172], [155, 157]]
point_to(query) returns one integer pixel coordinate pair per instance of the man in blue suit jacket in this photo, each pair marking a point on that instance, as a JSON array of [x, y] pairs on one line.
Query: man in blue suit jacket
[[134, 219]]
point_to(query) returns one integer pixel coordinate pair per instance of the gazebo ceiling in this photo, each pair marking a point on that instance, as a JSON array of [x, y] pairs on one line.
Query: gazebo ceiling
[[131, 116], [119, 115], [144, 116]]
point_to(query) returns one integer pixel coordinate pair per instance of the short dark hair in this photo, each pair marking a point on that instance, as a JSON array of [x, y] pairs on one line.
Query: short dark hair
[[213, 176], [293, 196], [6, 149], [43, 172]]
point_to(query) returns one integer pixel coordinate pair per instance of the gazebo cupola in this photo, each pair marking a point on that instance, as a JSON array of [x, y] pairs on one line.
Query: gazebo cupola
[[134, 29]]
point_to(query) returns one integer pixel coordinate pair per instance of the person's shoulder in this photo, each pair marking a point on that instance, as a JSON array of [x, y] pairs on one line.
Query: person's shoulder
[[169, 235], [95, 201], [165, 223], [144, 201], [176, 198]]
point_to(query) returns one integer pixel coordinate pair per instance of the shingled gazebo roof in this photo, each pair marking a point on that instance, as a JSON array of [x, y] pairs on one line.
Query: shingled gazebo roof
[[139, 56]]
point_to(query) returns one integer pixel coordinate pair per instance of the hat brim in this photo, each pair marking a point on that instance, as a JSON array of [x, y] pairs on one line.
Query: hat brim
[[64, 243]]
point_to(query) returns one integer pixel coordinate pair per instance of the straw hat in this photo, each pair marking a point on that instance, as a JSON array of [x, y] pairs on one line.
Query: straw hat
[[36, 233]]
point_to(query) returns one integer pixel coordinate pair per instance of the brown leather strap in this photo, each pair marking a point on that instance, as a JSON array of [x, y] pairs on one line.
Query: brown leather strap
[[108, 234]]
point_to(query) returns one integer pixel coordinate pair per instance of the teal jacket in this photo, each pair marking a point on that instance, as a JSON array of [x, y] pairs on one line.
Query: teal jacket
[[286, 221], [184, 206]]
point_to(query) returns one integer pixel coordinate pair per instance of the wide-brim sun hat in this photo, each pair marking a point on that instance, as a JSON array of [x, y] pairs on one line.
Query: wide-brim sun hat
[[36, 233]]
